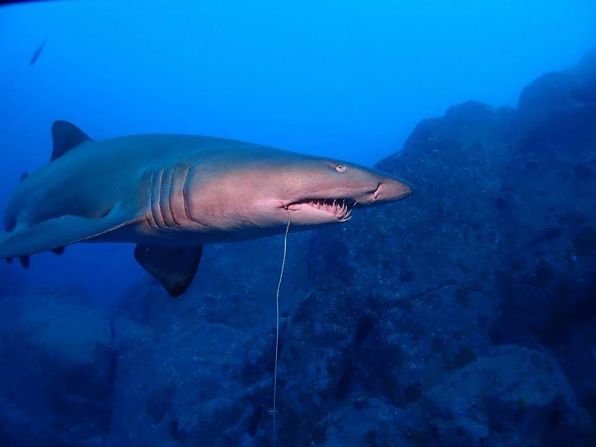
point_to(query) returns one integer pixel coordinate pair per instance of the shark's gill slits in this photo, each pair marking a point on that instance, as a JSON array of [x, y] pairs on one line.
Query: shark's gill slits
[[165, 193], [176, 199], [166, 198], [153, 216]]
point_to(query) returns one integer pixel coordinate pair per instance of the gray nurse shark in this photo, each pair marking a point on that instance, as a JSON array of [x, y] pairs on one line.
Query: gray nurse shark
[[171, 194]]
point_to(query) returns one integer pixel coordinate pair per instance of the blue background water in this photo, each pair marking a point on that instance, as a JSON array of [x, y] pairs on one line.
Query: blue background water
[[350, 79], [347, 79]]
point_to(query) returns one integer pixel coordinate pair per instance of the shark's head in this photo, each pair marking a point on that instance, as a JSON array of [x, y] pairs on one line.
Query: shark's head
[[266, 189], [328, 190]]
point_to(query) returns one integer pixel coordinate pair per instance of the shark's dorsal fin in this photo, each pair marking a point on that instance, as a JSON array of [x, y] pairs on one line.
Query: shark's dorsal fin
[[65, 137]]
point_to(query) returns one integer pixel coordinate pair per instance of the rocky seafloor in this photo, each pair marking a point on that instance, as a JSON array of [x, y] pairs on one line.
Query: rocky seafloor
[[462, 316]]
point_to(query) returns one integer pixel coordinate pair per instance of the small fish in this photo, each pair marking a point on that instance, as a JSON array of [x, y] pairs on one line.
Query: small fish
[[38, 51]]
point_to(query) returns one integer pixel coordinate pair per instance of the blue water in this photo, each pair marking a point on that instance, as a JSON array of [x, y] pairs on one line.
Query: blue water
[[346, 79]]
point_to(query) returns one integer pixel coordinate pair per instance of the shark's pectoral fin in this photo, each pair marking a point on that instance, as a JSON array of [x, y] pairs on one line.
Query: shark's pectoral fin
[[56, 233], [173, 267]]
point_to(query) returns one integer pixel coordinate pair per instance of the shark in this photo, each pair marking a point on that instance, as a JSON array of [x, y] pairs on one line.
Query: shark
[[171, 194]]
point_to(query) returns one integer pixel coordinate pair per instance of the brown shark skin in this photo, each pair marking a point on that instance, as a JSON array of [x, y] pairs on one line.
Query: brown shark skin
[[178, 187], [180, 191]]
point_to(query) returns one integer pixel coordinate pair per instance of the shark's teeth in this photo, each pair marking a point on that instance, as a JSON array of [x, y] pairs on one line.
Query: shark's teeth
[[347, 217], [340, 208]]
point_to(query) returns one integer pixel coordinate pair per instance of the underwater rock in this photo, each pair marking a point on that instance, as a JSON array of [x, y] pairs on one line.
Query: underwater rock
[[207, 357], [58, 366], [445, 233], [423, 273], [511, 396], [385, 347], [547, 97], [375, 423], [548, 255], [181, 385], [495, 246]]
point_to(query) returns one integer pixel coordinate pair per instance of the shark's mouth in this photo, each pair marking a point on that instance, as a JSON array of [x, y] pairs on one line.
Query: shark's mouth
[[341, 209]]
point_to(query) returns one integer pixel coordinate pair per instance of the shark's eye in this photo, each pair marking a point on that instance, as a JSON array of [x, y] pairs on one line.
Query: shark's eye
[[340, 168]]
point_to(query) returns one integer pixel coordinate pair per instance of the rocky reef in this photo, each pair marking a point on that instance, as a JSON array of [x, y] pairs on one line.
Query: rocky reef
[[58, 369], [462, 316]]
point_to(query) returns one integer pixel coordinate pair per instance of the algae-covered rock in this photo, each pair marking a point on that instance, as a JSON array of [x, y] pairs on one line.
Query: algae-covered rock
[[57, 373], [495, 246], [508, 397], [197, 370]]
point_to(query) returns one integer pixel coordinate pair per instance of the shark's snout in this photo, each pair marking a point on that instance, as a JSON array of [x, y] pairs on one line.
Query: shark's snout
[[392, 189], [330, 196]]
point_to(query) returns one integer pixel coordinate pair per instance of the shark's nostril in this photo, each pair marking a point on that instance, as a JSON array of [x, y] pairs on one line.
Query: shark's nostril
[[391, 190], [375, 193]]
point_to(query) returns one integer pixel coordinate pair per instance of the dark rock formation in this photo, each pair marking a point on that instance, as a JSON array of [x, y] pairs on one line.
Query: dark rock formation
[[197, 371], [548, 261], [511, 396], [58, 367], [494, 247]]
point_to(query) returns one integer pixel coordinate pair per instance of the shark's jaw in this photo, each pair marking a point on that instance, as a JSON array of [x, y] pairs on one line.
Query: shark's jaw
[[337, 206], [321, 210]]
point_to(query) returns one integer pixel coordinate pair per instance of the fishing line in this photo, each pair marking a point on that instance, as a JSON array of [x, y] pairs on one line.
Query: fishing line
[[281, 275]]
